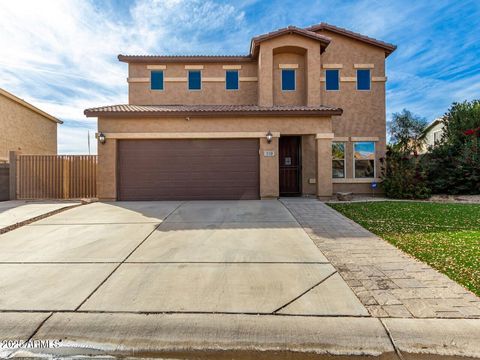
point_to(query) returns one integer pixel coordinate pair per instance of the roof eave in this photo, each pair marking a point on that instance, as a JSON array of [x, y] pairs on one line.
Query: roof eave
[[255, 42], [129, 114], [389, 48], [29, 106], [185, 59]]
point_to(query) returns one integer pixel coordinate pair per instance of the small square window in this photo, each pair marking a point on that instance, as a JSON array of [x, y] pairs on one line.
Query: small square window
[[231, 80], [156, 80], [363, 79], [332, 79], [194, 80], [288, 80]]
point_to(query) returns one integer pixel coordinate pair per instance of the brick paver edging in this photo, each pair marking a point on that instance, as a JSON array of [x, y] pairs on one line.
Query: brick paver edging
[[388, 282]]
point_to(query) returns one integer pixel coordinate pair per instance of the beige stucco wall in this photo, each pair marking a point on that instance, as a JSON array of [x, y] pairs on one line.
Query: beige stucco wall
[[177, 93], [24, 130], [309, 169], [363, 111], [282, 48], [429, 136], [297, 97], [268, 165]]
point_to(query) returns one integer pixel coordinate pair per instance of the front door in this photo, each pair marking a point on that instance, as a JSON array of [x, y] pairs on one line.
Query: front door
[[290, 165]]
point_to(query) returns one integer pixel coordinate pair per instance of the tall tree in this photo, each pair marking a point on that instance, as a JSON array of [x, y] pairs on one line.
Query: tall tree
[[405, 130]]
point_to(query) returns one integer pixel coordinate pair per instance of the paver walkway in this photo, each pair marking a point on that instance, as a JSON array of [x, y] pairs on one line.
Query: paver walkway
[[387, 281]]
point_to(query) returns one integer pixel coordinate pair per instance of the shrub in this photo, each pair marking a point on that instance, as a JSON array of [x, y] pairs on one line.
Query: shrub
[[453, 166], [404, 176], [403, 173]]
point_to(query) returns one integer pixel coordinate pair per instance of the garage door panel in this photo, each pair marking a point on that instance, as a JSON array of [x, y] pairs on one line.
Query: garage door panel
[[188, 169]]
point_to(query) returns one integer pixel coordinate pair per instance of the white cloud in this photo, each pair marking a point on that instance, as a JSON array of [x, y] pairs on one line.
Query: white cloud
[[60, 55]]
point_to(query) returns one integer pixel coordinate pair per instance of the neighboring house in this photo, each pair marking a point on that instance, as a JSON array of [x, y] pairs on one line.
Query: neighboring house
[[432, 134], [302, 114], [25, 128]]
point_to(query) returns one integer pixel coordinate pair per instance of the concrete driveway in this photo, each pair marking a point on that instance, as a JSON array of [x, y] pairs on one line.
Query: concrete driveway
[[218, 279], [244, 257], [18, 212]]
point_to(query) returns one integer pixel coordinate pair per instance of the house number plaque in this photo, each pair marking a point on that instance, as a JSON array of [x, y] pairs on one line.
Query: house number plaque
[[269, 153]]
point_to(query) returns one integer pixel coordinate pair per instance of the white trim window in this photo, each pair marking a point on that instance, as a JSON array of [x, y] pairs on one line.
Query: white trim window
[[338, 160], [364, 160]]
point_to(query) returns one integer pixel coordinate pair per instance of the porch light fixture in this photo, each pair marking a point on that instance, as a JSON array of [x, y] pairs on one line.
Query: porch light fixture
[[269, 137], [102, 138]]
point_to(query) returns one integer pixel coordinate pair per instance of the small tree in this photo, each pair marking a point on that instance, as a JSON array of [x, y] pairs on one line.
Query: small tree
[[406, 131], [403, 174]]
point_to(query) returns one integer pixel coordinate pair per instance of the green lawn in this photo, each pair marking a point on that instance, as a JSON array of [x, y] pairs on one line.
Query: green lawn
[[445, 236]]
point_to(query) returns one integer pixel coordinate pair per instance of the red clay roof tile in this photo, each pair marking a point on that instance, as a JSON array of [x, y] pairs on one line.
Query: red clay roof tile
[[209, 110]]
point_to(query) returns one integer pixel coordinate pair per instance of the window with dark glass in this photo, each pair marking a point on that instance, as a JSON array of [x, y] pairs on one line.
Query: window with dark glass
[[364, 159], [338, 160], [156, 80], [363, 79], [288, 80], [332, 79], [194, 80], [231, 79]]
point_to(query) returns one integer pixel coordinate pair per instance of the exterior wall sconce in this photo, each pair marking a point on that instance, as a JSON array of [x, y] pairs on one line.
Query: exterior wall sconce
[[101, 138], [269, 137]]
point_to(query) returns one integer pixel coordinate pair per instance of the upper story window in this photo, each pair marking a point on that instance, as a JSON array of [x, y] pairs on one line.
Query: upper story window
[[156, 80], [332, 79], [288, 80], [194, 80], [363, 79], [231, 80], [364, 159], [338, 160]]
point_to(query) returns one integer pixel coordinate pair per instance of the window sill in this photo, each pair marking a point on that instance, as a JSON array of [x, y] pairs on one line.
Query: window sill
[[356, 181]]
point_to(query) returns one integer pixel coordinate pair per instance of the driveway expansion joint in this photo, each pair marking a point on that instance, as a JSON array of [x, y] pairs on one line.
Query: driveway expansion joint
[[120, 264], [305, 292], [397, 350]]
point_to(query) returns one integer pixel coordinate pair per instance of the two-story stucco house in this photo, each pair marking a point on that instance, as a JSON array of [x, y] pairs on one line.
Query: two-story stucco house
[[25, 128], [302, 114]]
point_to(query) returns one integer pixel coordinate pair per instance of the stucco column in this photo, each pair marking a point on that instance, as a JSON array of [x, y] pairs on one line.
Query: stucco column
[[324, 165], [265, 76], [107, 170], [313, 65], [269, 175]]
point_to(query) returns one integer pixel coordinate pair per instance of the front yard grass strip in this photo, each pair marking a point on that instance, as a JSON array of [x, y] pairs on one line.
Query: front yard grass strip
[[445, 236]]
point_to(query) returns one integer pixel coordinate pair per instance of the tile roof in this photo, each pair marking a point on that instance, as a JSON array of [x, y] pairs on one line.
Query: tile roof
[[324, 40], [324, 26], [310, 32], [206, 110], [151, 59]]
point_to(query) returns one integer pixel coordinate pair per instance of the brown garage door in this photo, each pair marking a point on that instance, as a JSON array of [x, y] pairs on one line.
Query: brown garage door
[[188, 169]]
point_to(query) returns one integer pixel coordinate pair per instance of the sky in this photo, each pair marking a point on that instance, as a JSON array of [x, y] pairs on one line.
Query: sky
[[61, 55]]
